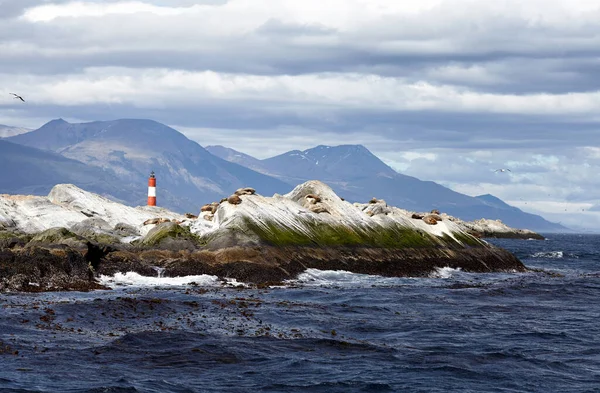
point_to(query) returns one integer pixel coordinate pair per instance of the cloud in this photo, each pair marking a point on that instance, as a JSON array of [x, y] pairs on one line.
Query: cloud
[[289, 36], [329, 90], [462, 85], [11, 8]]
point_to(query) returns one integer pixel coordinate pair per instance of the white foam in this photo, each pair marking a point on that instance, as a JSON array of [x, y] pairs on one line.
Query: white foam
[[235, 283], [549, 254], [443, 272], [316, 277], [136, 280]]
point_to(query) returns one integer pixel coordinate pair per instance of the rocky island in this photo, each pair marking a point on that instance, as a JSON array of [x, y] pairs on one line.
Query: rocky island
[[66, 240]]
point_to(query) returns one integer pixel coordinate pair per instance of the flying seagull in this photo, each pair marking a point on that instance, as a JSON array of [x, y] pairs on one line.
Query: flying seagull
[[502, 170], [17, 97]]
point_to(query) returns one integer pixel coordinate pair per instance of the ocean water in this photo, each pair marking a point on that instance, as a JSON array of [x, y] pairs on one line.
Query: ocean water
[[325, 332]]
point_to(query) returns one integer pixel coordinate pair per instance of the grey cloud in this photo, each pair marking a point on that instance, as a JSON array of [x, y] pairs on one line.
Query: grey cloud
[[274, 49], [275, 27], [183, 3], [11, 8], [14, 8], [462, 132]]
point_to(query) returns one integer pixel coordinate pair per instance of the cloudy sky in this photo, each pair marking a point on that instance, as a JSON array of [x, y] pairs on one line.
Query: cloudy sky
[[444, 90]]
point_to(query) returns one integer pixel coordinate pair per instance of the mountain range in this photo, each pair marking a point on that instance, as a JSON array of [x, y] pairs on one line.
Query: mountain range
[[114, 158], [187, 175], [358, 175]]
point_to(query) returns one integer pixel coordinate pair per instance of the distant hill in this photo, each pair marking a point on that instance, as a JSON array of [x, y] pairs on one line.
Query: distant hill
[[27, 170], [188, 176], [235, 156], [8, 131], [358, 175]]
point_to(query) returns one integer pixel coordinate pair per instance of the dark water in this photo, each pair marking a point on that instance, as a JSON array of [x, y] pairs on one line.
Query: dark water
[[334, 332]]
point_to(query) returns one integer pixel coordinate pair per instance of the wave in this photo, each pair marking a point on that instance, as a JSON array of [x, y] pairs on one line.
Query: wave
[[137, 280], [549, 254], [310, 277], [316, 277], [444, 272]]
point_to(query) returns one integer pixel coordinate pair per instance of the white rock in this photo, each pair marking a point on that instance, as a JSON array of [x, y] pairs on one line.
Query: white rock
[[67, 205], [288, 211]]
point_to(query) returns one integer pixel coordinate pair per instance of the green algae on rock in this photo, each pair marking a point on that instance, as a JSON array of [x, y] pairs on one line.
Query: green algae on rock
[[168, 233]]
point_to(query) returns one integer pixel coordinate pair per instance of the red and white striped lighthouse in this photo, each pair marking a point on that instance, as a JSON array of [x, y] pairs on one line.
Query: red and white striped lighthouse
[[152, 190]]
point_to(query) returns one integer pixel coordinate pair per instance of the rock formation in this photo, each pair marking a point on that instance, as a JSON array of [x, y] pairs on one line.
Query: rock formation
[[73, 236]]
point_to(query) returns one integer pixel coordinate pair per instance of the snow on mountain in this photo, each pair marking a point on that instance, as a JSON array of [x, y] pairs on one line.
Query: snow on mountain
[[327, 163], [8, 131]]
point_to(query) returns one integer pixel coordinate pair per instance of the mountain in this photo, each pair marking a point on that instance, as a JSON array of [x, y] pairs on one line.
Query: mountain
[[27, 170], [188, 176], [7, 131], [345, 162], [358, 175], [235, 156]]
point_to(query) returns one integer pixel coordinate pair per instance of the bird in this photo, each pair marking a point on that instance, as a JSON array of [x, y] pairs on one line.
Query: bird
[[17, 97], [503, 170]]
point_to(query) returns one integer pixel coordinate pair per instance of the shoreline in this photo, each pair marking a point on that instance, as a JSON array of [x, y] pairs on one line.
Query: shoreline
[[63, 268]]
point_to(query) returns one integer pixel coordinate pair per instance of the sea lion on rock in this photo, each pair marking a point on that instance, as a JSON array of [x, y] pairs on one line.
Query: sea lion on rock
[[374, 200], [318, 209], [430, 220], [380, 207], [191, 216], [435, 211], [417, 216], [312, 198], [206, 208], [234, 199], [245, 191], [151, 221]]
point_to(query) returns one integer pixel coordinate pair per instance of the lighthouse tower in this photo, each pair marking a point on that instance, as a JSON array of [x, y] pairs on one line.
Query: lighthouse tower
[[152, 190]]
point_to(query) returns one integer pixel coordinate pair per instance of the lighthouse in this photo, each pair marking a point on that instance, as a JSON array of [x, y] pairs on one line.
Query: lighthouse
[[152, 190]]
